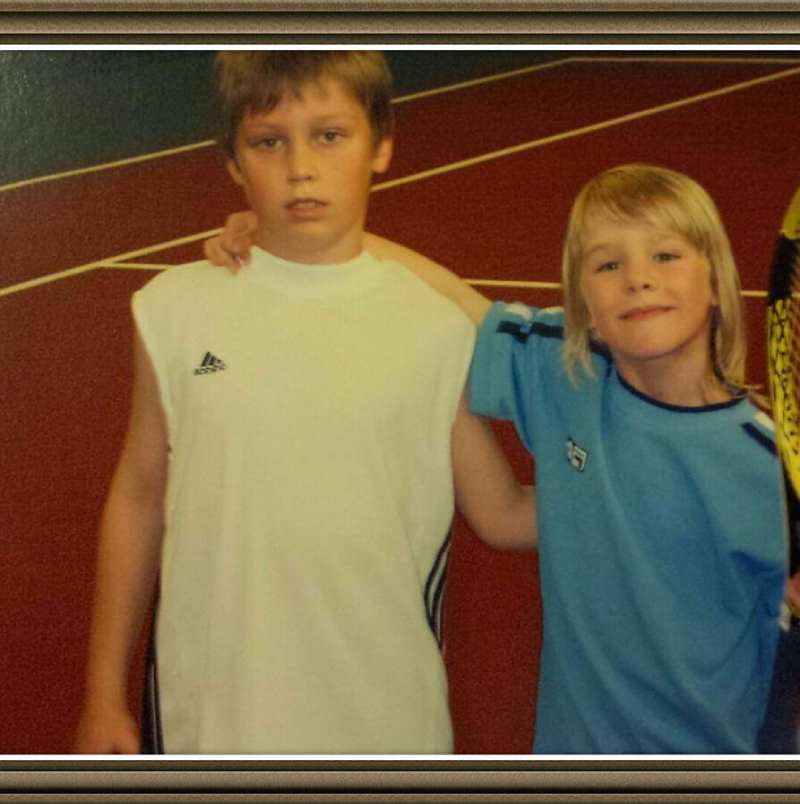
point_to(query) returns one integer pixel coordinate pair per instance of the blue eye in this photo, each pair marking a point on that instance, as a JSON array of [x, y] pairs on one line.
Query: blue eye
[[608, 266], [665, 256]]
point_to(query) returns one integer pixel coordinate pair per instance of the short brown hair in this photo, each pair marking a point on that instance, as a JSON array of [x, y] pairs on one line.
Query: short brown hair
[[257, 80]]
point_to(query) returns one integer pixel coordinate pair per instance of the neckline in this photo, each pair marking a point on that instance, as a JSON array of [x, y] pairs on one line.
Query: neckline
[[715, 406], [311, 280]]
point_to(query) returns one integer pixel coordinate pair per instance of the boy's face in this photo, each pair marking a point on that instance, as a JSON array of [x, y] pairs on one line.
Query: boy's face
[[306, 167], [648, 292]]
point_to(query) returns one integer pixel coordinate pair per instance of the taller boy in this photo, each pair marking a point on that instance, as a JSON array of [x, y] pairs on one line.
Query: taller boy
[[290, 437]]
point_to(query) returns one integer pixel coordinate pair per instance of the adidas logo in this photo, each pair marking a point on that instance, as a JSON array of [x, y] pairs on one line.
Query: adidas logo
[[210, 364]]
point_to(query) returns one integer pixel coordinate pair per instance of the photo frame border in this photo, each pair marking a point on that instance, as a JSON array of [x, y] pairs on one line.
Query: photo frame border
[[691, 23]]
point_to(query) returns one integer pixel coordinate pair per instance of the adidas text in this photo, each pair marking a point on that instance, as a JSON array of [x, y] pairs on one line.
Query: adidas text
[[210, 364]]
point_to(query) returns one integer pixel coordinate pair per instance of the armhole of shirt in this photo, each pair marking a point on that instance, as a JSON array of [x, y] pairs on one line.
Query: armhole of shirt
[[148, 339]]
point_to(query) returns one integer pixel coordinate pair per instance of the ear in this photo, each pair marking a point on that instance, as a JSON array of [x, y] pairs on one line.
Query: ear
[[233, 170], [383, 155]]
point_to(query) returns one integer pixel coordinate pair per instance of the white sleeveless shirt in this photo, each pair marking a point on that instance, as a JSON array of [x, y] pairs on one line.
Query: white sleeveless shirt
[[309, 411]]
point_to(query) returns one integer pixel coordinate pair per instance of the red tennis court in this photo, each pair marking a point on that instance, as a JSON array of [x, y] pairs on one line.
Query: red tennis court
[[483, 178]]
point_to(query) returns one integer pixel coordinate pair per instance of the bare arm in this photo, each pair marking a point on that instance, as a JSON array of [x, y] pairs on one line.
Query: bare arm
[[474, 304], [792, 594], [127, 566], [499, 510]]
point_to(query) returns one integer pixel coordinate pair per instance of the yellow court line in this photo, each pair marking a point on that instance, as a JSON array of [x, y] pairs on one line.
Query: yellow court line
[[208, 143], [578, 132], [93, 266]]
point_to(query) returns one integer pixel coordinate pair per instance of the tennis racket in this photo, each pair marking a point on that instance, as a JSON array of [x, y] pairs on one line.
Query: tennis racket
[[779, 730], [783, 357]]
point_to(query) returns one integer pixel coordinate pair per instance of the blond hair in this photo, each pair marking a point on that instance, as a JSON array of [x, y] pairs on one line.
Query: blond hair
[[257, 80], [672, 201]]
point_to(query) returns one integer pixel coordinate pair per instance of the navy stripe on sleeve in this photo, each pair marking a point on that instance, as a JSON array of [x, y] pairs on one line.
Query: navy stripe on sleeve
[[762, 439]]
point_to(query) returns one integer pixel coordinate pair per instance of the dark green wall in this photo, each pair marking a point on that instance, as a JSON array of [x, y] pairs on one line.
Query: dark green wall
[[61, 110], [64, 110]]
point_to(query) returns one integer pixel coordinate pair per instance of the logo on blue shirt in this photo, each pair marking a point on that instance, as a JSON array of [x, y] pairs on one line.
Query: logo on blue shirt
[[577, 456]]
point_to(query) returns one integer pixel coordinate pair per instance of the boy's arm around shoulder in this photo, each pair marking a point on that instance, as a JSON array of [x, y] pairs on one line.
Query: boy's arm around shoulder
[[497, 507], [127, 566], [232, 247], [444, 281], [500, 510]]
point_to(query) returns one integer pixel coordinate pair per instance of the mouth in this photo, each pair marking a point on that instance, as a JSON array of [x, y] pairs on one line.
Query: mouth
[[302, 205], [644, 313]]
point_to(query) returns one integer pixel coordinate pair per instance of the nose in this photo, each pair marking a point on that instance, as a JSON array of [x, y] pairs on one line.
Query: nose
[[300, 164], [639, 275]]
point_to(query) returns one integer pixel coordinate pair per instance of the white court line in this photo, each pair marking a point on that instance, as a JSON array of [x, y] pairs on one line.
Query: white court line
[[132, 160], [426, 174], [104, 263], [534, 68], [579, 132], [401, 99], [514, 283], [508, 283], [485, 283], [138, 266], [686, 60]]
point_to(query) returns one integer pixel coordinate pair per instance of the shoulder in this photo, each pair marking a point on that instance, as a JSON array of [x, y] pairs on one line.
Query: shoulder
[[516, 333], [419, 292], [523, 322], [521, 328], [540, 331], [185, 276], [189, 281], [758, 427], [184, 293]]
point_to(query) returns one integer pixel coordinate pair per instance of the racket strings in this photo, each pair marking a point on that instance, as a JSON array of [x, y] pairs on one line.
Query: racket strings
[[784, 357]]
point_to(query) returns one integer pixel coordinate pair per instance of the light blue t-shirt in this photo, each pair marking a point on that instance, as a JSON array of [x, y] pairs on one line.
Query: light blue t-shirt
[[662, 550]]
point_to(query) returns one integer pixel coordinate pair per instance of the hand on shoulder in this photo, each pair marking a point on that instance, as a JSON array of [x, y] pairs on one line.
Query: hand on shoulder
[[231, 248]]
